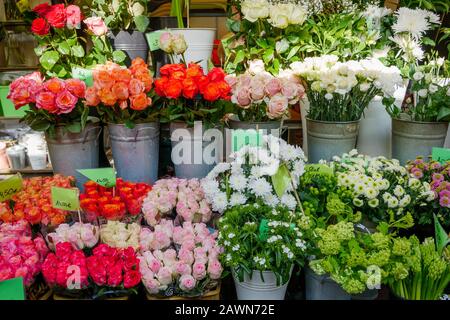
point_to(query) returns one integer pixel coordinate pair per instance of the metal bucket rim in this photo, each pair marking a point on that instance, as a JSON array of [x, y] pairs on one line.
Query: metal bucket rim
[[420, 122], [333, 122], [196, 29], [137, 124], [255, 122]]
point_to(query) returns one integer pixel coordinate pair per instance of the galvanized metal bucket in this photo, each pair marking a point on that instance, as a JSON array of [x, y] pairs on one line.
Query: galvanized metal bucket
[[322, 287], [72, 151], [135, 151], [132, 43], [411, 138], [193, 154], [328, 139]]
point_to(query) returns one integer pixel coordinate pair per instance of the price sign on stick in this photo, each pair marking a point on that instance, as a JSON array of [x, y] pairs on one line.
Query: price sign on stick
[[9, 187], [103, 176], [12, 289], [65, 198], [153, 40]]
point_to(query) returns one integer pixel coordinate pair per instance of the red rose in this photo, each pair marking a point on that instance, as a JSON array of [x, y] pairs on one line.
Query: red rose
[[42, 9], [115, 276], [170, 69], [190, 88], [61, 274], [216, 74], [63, 250], [101, 250], [49, 269], [173, 89], [133, 206], [96, 270], [194, 71], [56, 16], [211, 92], [159, 86], [202, 82], [40, 27], [131, 279], [225, 90]]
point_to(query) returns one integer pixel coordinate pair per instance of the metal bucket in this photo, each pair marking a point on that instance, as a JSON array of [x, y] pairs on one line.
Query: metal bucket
[[193, 154], [323, 287], [328, 139], [135, 151], [411, 138], [259, 289], [132, 43], [72, 151]]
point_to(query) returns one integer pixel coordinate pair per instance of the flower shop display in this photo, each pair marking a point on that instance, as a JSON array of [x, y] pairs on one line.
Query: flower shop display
[[21, 255], [261, 244], [127, 20], [184, 197], [120, 235], [188, 95], [61, 50], [438, 176], [33, 202], [56, 107], [122, 97], [122, 201], [80, 235], [338, 93], [179, 262]]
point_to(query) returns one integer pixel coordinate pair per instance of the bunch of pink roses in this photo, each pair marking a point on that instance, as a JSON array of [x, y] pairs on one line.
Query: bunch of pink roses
[[80, 235], [158, 239], [185, 196], [21, 255], [194, 264], [260, 96]]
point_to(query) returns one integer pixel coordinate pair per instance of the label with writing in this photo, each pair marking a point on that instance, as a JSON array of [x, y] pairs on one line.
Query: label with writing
[[65, 198], [9, 187], [103, 176], [153, 40]]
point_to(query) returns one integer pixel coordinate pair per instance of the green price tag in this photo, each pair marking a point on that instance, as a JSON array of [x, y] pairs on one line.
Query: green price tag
[[9, 187], [318, 169], [84, 75], [103, 176], [65, 198], [442, 238], [12, 289], [440, 154], [153, 40], [250, 137], [264, 230]]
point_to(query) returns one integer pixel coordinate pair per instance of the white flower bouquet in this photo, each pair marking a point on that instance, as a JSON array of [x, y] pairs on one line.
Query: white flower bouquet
[[120, 235], [255, 174], [341, 91]]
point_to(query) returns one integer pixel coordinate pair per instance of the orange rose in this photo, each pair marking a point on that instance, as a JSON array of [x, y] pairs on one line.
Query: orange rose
[[135, 87], [123, 104], [55, 85], [91, 97], [107, 97], [120, 90], [148, 82], [140, 102], [102, 79], [121, 74], [211, 92], [190, 88], [173, 89], [160, 84], [194, 71], [76, 87]]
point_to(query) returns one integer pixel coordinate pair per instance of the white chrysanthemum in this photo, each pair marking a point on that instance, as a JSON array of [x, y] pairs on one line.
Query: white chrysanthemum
[[414, 22], [238, 182], [237, 198], [405, 201], [260, 187], [271, 200], [219, 202], [375, 12], [270, 167], [289, 201], [392, 202]]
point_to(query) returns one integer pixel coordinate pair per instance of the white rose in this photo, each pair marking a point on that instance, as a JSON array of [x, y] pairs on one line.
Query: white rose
[[418, 76], [280, 14], [422, 93], [298, 15], [433, 88], [256, 67], [255, 9], [364, 87]]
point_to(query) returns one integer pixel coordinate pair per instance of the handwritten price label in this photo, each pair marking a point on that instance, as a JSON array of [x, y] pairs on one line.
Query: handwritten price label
[[153, 40], [65, 198], [9, 187], [103, 176]]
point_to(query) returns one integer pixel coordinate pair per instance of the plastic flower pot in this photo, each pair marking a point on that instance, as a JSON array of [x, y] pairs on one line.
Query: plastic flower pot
[[257, 288]]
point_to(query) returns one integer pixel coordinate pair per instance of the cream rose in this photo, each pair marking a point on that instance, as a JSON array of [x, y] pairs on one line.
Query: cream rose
[[255, 9], [280, 15]]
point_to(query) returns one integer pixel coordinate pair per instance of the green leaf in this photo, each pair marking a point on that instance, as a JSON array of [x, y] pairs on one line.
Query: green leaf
[[141, 23], [74, 127], [40, 125], [262, 43], [129, 124], [293, 52], [281, 180], [442, 239], [428, 42], [39, 50], [119, 56], [49, 59], [64, 48], [78, 51], [444, 114], [268, 56], [239, 57], [282, 46]]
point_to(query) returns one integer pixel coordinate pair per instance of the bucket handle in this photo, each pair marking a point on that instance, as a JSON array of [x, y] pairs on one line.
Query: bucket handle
[[89, 130], [141, 129]]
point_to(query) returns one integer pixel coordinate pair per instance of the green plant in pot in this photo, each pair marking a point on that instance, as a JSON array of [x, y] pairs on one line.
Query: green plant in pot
[[128, 20]]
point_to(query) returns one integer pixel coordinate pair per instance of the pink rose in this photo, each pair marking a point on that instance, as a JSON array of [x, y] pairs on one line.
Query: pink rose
[[231, 80], [66, 102], [273, 86], [186, 256], [170, 255], [277, 106], [96, 25], [152, 285], [164, 276], [243, 98], [187, 282], [74, 18], [91, 97], [199, 270], [257, 91], [165, 42], [46, 100], [214, 269], [188, 244], [182, 268]]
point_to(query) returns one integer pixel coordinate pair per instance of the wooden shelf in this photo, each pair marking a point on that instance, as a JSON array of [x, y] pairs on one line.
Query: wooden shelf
[[27, 170]]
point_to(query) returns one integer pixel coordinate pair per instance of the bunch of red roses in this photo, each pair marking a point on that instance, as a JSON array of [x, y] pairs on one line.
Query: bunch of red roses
[[113, 204], [56, 16], [177, 81], [114, 267]]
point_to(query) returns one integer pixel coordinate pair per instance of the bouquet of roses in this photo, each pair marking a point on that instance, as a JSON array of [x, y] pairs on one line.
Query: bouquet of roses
[[187, 94], [122, 93], [21, 255], [381, 188], [120, 235], [159, 238], [60, 48], [80, 235], [334, 87], [190, 270], [438, 176], [254, 174], [185, 196], [113, 203], [66, 270], [33, 203], [113, 271], [260, 96]]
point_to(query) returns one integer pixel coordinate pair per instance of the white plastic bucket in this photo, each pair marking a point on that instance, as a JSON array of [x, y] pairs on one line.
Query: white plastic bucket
[[200, 42], [257, 289], [38, 159]]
